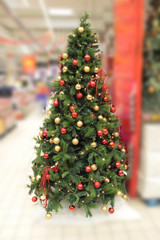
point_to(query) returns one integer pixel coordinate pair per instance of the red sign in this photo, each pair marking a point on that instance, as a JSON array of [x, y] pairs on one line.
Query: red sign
[[29, 64]]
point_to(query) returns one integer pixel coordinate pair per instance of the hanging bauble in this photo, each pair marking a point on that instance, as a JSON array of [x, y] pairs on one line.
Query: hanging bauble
[[113, 109], [87, 57], [57, 120], [123, 150], [80, 186], [99, 132], [86, 69], [81, 29], [112, 144], [57, 148], [120, 146], [125, 197], [94, 144], [38, 177], [63, 130], [117, 164], [62, 82], [48, 216], [119, 194], [72, 208], [92, 83], [75, 62], [105, 131], [79, 123], [96, 108], [51, 140], [104, 208], [96, 70], [78, 86], [92, 115], [65, 55], [65, 69], [79, 95], [125, 166], [88, 169], [105, 99], [34, 199], [46, 155], [75, 141], [72, 108], [94, 167], [33, 178], [111, 210], [116, 134], [97, 184], [56, 140], [100, 117], [105, 119], [45, 132], [56, 103], [89, 97], [59, 78], [74, 114], [104, 141], [106, 179], [40, 133], [49, 113], [120, 172]]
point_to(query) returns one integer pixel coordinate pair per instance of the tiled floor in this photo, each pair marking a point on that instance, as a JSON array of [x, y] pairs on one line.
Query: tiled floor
[[18, 219]]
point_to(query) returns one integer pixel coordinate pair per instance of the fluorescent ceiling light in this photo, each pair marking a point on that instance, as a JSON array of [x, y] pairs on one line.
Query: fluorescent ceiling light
[[60, 11]]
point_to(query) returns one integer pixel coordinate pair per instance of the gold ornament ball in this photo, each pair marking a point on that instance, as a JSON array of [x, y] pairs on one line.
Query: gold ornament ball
[[79, 123], [51, 140], [94, 144], [81, 29], [89, 97], [48, 216], [105, 119], [65, 69], [49, 113], [56, 140], [82, 152], [40, 133], [125, 197], [57, 148], [125, 166], [119, 194], [86, 69], [96, 108], [64, 55], [116, 134], [52, 134], [38, 177], [123, 150], [103, 159], [78, 86], [100, 117], [57, 120], [75, 141], [33, 179], [104, 208], [96, 70], [82, 201], [94, 167], [106, 180], [59, 78]]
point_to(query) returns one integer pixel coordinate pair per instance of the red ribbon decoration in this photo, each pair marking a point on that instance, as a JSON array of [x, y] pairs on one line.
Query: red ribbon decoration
[[43, 179]]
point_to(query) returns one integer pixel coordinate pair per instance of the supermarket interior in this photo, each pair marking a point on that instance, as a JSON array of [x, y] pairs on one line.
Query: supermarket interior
[[33, 37]]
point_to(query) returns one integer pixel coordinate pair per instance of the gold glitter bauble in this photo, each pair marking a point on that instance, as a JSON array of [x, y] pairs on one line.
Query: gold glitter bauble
[[94, 144], [125, 197], [123, 150], [40, 133], [81, 29], [57, 120], [65, 69], [48, 216], [105, 119], [94, 167], [75, 141], [89, 97], [51, 140], [106, 180], [100, 117], [96, 70], [116, 134], [56, 140], [119, 194], [96, 108], [104, 208], [79, 123], [33, 179], [38, 177], [59, 78], [57, 148], [78, 86], [64, 55], [49, 113], [86, 69], [125, 166]]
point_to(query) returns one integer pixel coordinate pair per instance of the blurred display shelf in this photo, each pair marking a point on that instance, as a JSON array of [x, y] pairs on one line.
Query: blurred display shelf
[[151, 117]]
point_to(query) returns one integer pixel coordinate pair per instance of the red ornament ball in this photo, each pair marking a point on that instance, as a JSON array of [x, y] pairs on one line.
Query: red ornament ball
[[41, 137], [60, 57], [72, 108], [111, 210], [117, 164], [113, 109], [63, 130], [105, 99], [105, 131], [104, 141], [75, 62], [120, 146], [46, 155], [56, 103], [87, 57], [88, 169], [92, 83], [55, 168], [74, 114], [79, 95], [45, 132], [92, 115], [72, 208], [80, 186], [97, 184], [62, 82], [47, 177], [104, 87], [60, 66], [112, 144], [121, 173], [60, 72], [34, 199], [99, 132]]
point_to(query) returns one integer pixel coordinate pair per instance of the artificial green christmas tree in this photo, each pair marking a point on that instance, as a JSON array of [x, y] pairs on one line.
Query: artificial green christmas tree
[[80, 159]]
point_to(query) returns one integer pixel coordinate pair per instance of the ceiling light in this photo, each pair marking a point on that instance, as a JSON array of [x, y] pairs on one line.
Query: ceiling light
[[60, 11]]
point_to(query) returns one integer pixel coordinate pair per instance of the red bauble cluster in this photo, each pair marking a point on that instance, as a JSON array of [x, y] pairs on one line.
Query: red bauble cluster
[[104, 141], [46, 155], [88, 169], [120, 172], [72, 108], [113, 109], [56, 103], [112, 144], [92, 83], [34, 199], [99, 132], [97, 184], [62, 82], [74, 114], [120, 146], [75, 62], [80, 186], [105, 99], [92, 115], [111, 210], [87, 57], [105, 131], [117, 164], [63, 130], [55, 168], [72, 208], [79, 95]]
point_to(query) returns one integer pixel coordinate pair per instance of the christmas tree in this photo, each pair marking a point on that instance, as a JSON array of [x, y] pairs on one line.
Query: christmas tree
[[80, 158], [151, 89]]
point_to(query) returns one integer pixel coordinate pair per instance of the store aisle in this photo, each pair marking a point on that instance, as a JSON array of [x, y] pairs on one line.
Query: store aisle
[[19, 217]]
